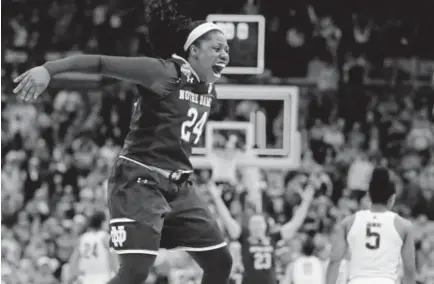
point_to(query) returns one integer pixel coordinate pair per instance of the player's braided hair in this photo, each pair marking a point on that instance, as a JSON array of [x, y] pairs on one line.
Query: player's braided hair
[[168, 28]]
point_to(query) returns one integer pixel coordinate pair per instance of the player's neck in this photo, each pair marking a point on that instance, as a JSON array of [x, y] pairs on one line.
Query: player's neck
[[379, 208]]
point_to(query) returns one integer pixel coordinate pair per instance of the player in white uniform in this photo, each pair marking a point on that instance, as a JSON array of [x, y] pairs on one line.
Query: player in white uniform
[[92, 262], [307, 268], [376, 239]]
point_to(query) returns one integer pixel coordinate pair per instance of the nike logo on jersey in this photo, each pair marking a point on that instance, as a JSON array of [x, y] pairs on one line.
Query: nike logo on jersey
[[204, 100]]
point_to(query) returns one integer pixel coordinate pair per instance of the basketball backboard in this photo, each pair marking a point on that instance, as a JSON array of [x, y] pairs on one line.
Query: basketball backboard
[[264, 114], [246, 39]]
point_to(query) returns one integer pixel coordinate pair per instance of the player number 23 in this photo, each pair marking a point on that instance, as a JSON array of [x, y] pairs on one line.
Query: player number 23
[[372, 238], [194, 124], [262, 260]]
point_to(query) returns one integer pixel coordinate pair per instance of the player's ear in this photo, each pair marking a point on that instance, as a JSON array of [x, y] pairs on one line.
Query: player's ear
[[194, 50]]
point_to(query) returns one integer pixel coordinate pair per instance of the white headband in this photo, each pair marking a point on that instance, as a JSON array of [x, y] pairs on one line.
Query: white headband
[[198, 32]]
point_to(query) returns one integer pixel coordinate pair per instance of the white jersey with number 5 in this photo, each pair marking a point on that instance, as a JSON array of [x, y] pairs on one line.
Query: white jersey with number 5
[[375, 248], [94, 264]]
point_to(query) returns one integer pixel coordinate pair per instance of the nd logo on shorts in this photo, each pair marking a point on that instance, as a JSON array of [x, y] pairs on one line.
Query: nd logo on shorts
[[118, 236]]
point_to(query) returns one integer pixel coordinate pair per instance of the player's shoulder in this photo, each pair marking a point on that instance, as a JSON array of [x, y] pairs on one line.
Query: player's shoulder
[[159, 69], [85, 235], [348, 221], [181, 67], [169, 67], [403, 221], [350, 218], [402, 225]]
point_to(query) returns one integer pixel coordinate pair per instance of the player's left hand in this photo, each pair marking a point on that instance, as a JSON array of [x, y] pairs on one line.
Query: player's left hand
[[308, 192], [32, 83], [214, 190]]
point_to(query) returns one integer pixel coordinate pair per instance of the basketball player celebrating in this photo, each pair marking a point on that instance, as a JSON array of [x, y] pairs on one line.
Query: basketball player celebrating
[[150, 198], [257, 241], [376, 239], [92, 262]]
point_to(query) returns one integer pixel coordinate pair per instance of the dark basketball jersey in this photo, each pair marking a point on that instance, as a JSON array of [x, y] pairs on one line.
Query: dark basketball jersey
[[170, 113], [259, 259], [164, 128]]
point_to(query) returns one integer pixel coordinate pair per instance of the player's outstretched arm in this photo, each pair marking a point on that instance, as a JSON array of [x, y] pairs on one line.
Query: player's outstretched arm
[[113, 256], [232, 226], [73, 272], [288, 274], [154, 74], [290, 228], [339, 247], [408, 255]]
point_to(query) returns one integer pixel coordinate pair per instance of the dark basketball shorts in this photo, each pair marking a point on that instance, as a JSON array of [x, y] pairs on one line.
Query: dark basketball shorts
[[148, 212]]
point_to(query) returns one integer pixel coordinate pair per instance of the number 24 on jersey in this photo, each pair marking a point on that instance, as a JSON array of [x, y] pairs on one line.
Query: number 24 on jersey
[[194, 124]]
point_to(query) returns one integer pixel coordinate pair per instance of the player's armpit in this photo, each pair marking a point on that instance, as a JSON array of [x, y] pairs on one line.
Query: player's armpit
[[154, 74], [408, 256], [339, 248]]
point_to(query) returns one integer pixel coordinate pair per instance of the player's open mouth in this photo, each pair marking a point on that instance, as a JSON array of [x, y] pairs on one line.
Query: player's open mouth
[[218, 68]]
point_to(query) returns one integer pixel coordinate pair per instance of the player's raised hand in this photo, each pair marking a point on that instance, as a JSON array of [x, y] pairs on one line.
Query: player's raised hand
[[308, 192], [32, 83], [214, 190]]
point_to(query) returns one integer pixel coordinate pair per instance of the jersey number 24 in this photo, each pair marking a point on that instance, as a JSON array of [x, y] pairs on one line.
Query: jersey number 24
[[193, 125], [90, 250]]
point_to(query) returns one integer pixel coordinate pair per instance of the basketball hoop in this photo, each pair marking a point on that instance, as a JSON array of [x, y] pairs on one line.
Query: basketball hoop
[[285, 155]]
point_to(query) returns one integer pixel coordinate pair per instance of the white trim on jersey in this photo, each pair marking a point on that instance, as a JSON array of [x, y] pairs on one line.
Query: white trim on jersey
[[136, 251], [121, 220], [200, 249], [153, 252]]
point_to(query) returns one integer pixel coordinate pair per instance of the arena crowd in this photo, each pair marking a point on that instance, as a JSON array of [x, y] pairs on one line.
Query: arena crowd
[[361, 104]]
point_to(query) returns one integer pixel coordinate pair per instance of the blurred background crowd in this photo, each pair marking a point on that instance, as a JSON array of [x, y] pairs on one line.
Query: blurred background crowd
[[366, 80]]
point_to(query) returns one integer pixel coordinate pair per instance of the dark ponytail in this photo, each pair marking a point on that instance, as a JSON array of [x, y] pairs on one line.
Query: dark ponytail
[[381, 185], [168, 28]]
